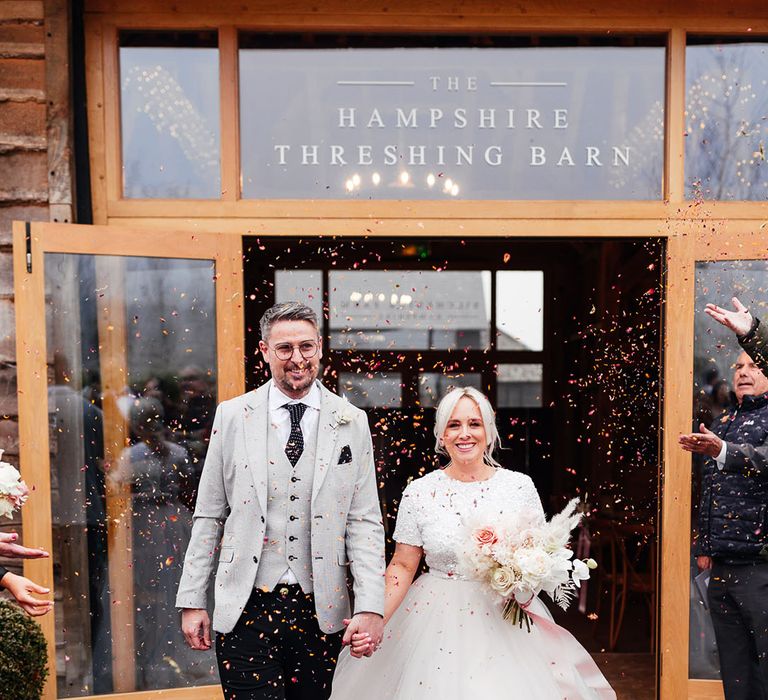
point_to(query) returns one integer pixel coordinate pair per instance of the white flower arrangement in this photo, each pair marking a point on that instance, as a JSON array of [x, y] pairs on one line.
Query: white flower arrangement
[[13, 491], [524, 555]]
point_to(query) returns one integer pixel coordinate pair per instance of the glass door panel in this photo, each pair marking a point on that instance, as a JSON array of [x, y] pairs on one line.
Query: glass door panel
[[132, 393], [715, 351], [127, 339]]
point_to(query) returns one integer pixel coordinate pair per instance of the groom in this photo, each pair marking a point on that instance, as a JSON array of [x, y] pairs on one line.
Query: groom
[[287, 505]]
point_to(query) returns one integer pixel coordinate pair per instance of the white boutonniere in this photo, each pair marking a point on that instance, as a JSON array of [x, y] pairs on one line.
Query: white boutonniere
[[343, 417]]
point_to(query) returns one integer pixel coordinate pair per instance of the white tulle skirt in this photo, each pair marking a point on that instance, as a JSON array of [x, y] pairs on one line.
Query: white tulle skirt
[[448, 640]]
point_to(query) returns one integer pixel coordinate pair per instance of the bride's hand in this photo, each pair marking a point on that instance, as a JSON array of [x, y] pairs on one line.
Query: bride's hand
[[366, 629], [361, 645]]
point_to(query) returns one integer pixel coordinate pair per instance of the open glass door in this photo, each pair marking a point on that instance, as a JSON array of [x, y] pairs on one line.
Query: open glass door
[[127, 339], [700, 355]]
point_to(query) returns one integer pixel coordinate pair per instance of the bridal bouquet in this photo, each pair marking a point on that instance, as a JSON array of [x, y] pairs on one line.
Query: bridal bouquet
[[13, 491], [522, 554]]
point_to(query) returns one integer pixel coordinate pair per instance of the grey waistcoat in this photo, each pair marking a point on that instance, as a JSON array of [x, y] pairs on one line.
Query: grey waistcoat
[[287, 542]]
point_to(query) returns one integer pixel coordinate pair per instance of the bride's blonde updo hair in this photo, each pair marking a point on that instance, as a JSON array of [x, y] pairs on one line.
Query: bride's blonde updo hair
[[446, 407]]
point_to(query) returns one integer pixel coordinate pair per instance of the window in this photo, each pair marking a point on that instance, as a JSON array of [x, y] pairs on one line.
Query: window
[[725, 119], [169, 109], [441, 118]]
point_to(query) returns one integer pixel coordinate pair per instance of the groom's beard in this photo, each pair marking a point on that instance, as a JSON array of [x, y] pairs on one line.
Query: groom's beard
[[289, 384]]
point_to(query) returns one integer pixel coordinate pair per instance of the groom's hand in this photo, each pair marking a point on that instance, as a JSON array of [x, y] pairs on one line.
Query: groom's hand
[[196, 627], [364, 632]]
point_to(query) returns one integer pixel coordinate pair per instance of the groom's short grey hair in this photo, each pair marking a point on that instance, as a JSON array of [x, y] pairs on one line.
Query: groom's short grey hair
[[286, 311]]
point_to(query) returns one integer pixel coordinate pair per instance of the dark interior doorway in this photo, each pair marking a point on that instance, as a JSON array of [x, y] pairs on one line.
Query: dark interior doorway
[[575, 381]]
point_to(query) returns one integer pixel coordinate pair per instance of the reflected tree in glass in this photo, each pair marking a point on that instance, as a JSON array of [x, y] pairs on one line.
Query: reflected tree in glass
[[170, 122], [132, 346], [726, 129]]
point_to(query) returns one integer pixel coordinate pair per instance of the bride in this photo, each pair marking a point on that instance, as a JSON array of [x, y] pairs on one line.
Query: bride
[[445, 636]]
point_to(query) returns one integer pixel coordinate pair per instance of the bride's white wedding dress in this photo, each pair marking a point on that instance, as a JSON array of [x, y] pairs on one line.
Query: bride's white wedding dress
[[448, 638]]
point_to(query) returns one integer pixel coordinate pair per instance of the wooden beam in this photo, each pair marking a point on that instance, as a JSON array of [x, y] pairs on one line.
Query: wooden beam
[[204, 692], [113, 351], [97, 137], [674, 119], [230, 322], [230, 110], [676, 466], [112, 122], [705, 690], [554, 11], [59, 120], [34, 443]]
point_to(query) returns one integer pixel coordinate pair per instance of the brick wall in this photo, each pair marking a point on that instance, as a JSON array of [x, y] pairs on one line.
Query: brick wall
[[35, 154]]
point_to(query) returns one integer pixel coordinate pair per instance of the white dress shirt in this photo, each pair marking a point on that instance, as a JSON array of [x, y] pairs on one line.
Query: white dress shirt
[[280, 420], [720, 459]]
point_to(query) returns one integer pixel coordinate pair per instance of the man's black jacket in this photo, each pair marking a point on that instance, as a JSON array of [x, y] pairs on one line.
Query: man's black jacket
[[734, 501]]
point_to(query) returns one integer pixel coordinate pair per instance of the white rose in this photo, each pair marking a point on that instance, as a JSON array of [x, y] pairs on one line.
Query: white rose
[[535, 566], [502, 580]]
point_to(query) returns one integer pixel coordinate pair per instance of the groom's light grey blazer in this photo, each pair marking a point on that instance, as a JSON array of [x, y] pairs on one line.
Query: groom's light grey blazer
[[346, 530]]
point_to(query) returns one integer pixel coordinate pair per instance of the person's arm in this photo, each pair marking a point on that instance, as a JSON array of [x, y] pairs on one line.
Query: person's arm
[[755, 344], [751, 460], [364, 541], [750, 333], [364, 538], [207, 523], [22, 589], [9, 548], [399, 577]]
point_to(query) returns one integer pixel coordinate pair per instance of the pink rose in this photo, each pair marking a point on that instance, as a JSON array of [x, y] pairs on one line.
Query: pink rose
[[485, 536]]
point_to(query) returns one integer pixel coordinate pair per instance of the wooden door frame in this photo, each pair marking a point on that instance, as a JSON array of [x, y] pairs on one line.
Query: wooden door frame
[[31, 348], [739, 241]]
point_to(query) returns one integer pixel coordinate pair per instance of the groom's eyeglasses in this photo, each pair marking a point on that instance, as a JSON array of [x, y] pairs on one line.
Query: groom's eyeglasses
[[307, 349]]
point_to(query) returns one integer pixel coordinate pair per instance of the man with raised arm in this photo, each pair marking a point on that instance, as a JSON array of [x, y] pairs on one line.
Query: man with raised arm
[[732, 531]]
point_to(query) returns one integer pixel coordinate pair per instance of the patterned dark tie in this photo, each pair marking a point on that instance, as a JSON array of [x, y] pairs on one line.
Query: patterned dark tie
[[295, 445]]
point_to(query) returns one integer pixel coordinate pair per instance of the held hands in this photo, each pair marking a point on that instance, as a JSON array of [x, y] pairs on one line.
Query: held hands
[[363, 634], [739, 321], [196, 626], [704, 442]]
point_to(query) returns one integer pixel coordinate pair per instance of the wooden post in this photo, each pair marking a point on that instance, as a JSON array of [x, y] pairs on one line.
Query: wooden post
[[113, 362]]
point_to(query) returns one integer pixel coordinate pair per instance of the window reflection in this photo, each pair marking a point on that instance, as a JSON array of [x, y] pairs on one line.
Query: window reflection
[[305, 286], [519, 386], [169, 92], [433, 386], [725, 119], [131, 404], [371, 390], [410, 310], [520, 309]]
